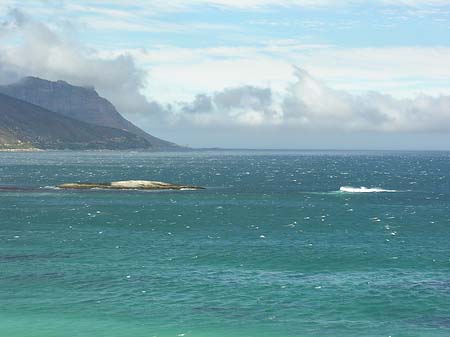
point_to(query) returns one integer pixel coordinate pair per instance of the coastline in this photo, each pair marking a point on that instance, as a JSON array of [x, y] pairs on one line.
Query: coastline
[[21, 150]]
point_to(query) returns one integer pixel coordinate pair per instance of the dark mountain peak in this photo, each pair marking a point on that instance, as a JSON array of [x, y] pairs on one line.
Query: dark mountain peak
[[37, 83], [80, 103], [28, 79], [31, 80], [24, 125]]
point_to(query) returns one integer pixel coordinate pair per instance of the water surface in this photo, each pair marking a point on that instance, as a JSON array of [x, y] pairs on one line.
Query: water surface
[[272, 247]]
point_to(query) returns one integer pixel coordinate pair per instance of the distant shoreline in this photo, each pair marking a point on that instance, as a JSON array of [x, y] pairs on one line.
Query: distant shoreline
[[21, 150], [193, 150]]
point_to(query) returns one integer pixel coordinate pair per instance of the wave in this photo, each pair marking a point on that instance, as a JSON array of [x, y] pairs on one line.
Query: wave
[[362, 189], [50, 187]]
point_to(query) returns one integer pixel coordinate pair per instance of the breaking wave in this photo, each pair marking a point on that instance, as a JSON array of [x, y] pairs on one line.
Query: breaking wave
[[362, 189], [50, 187]]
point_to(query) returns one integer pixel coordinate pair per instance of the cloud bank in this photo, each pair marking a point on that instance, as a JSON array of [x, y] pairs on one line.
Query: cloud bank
[[38, 50], [306, 104], [309, 104]]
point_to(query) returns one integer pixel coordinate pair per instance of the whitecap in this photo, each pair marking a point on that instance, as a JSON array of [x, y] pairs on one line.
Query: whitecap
[[362, 189]]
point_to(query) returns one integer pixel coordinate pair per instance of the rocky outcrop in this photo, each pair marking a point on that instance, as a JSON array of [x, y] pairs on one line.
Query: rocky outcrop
[[130, 185]]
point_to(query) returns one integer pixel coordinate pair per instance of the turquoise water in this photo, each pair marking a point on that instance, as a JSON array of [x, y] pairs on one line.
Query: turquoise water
[[270, 248]]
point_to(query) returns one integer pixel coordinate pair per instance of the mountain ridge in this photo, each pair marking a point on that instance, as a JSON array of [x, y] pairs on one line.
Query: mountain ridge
[[24, 125], [80, 103]]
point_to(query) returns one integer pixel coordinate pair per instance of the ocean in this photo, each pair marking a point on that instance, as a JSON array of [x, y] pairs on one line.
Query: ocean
[[280, 243]]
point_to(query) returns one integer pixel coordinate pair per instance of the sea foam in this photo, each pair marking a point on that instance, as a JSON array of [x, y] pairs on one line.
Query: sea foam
[[362, 189]]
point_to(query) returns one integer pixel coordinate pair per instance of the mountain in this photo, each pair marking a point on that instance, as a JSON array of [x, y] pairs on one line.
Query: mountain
[[25, 125], [80, 103]]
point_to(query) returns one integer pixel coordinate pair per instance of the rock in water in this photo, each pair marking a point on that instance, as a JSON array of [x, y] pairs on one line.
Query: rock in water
[[130, 185]]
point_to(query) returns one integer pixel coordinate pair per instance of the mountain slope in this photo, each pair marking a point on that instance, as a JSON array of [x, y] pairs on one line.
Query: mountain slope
[[80, 103], [25, 125]]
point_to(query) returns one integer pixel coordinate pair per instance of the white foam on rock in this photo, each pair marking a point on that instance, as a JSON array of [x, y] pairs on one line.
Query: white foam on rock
[[138, 184]]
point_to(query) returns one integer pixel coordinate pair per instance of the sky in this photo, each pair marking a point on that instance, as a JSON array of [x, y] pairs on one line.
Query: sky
[[290, 74]]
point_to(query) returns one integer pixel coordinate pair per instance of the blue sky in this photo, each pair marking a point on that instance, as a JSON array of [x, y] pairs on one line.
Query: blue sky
[[336, 72], [363, 24], [215, 23]]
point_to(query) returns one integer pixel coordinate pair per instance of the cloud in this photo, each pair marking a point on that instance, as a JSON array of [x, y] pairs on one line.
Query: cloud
[[44, 52], [312, 104], [246, 106], [181, 5], [179, 73], [134, 15], [309, 104], [238, 89]]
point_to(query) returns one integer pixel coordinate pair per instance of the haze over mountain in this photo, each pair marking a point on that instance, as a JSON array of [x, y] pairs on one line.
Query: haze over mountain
[[80, 103], [25, 125]]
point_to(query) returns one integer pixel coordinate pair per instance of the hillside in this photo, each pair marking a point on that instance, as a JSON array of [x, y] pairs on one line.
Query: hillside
[[24, 125], [80, 103]]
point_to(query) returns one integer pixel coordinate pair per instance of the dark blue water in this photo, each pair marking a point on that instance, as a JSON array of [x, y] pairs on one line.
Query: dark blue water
[[270, 248]]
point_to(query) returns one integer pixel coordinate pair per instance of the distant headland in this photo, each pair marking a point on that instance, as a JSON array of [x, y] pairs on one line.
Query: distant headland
[[40, 114]]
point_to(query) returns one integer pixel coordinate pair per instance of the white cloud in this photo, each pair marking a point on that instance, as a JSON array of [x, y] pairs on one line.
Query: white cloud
[[179, 73], [120, 10], [178, 5], [245, 88], [415, 3], [43, 52], [308, 104]]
